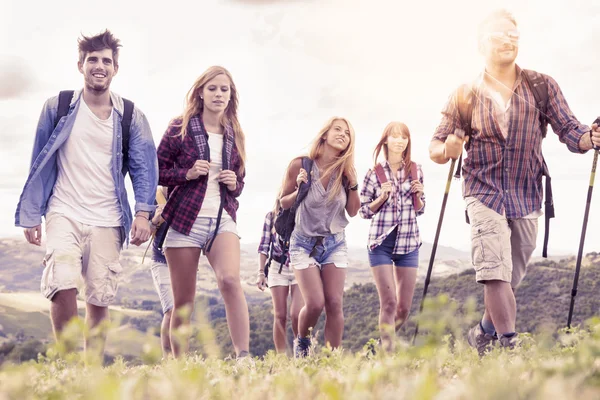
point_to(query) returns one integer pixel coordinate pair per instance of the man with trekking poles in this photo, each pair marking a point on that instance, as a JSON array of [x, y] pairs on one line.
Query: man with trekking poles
[[501, 118]]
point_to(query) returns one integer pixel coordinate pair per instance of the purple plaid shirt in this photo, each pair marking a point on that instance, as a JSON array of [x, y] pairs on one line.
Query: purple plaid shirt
[[270, 238], [398, 210], [176, 157], [506, 174]]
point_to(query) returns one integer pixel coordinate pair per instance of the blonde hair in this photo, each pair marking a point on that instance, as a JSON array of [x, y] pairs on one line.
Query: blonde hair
[[195, 106], [345, 160], [392, 128]]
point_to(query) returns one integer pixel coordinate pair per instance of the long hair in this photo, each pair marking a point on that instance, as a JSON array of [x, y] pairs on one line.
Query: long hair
[[392, 128], [277, 204], [195, 106], [343, 163]]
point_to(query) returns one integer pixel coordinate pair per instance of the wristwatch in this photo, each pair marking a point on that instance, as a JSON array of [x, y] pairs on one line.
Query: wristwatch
[[355, 187]]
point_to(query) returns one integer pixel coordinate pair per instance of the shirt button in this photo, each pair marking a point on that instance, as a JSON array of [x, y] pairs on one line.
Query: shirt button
[[118, 136], [506, 169], [53, 136], [506, 191]]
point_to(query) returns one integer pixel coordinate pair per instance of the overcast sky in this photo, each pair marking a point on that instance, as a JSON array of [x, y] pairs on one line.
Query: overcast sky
[[296, 63]]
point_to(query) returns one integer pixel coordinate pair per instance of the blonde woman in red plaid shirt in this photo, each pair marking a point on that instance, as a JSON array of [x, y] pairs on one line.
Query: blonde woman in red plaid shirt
[[393, 203], [202, 157]]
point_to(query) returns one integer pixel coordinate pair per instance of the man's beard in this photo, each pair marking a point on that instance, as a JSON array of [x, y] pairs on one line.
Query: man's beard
[[96, 87]]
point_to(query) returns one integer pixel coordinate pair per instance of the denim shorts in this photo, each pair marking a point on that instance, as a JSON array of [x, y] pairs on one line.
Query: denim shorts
[[202, 232], [162, 284], [318, 251], [383, 254]]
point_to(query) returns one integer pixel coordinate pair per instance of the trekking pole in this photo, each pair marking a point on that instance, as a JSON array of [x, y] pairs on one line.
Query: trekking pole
[[435, 243], [583, 230]]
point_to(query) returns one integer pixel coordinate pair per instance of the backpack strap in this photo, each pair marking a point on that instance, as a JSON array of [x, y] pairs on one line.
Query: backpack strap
[[539, 87], [465, 103], [380, 173], [548, 209], [126, 128], [307, 165], [414, 176], [64, 102]]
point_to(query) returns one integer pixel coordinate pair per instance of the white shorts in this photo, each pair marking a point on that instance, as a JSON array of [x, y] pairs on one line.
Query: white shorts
[[202, 232], [285, 278]]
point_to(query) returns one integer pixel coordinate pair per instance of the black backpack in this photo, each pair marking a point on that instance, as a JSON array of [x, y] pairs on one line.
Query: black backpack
[[64, 101], [286, 219], [466, 100]]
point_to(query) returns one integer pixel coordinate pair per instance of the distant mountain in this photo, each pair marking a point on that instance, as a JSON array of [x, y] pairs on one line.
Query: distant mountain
[[21, 269], [543, 298]]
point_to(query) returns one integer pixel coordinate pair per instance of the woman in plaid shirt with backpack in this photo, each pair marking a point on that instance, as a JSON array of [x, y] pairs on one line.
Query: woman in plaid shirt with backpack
[[392, 197], [274, 271], [202, 157]]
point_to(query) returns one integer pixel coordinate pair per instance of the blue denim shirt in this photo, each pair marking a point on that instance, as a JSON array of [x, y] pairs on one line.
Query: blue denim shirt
[[143, 166]]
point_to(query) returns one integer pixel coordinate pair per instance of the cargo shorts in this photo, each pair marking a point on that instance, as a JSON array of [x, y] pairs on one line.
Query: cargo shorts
[[75, 251], [500, 248]]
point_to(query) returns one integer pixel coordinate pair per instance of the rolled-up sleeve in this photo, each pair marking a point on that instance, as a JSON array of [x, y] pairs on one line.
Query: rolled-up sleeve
[[562, 120], [367, 195], [143, 167]]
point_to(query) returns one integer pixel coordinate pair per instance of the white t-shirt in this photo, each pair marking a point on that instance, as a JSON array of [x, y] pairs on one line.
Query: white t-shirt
[[84, 188], [212, 200]]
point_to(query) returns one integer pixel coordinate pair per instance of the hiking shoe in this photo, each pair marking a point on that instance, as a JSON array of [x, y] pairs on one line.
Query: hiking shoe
[[302, 347], [480, 340], [245, 360], [509, 342]]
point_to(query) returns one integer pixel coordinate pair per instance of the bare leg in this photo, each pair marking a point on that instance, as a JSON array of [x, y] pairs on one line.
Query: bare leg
[[63, 308], [95, 315], [224, 258], [295, 307], [333, 289], [406, 278], [501, 304], [311, 286], [165, 334], [183, 265], [280, 295], [386, 288]]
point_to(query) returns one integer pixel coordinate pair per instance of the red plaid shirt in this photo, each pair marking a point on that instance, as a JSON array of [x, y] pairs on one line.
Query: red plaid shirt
[[505, 174], [177, 156]]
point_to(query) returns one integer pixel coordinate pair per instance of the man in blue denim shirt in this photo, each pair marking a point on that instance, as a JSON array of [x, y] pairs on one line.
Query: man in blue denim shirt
[[76, 182]]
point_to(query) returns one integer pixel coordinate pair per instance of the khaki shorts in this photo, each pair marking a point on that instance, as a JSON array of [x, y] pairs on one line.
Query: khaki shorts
[[74, 251], [500, 248]]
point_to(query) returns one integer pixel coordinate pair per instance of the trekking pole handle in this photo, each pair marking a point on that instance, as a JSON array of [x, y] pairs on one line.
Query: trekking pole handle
[[597, 122]]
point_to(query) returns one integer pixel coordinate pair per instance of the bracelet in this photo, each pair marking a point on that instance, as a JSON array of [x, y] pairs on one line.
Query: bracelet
[[140, 215], [355, 187], [260, 273]]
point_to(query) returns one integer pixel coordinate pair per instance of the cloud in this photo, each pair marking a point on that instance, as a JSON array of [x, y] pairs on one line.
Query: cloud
[[17, 77]]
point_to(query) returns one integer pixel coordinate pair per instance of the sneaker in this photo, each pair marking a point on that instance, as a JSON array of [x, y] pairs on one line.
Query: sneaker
[[480, 340], [372, 346], [302, 347], [245, 360], [509, 342]]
